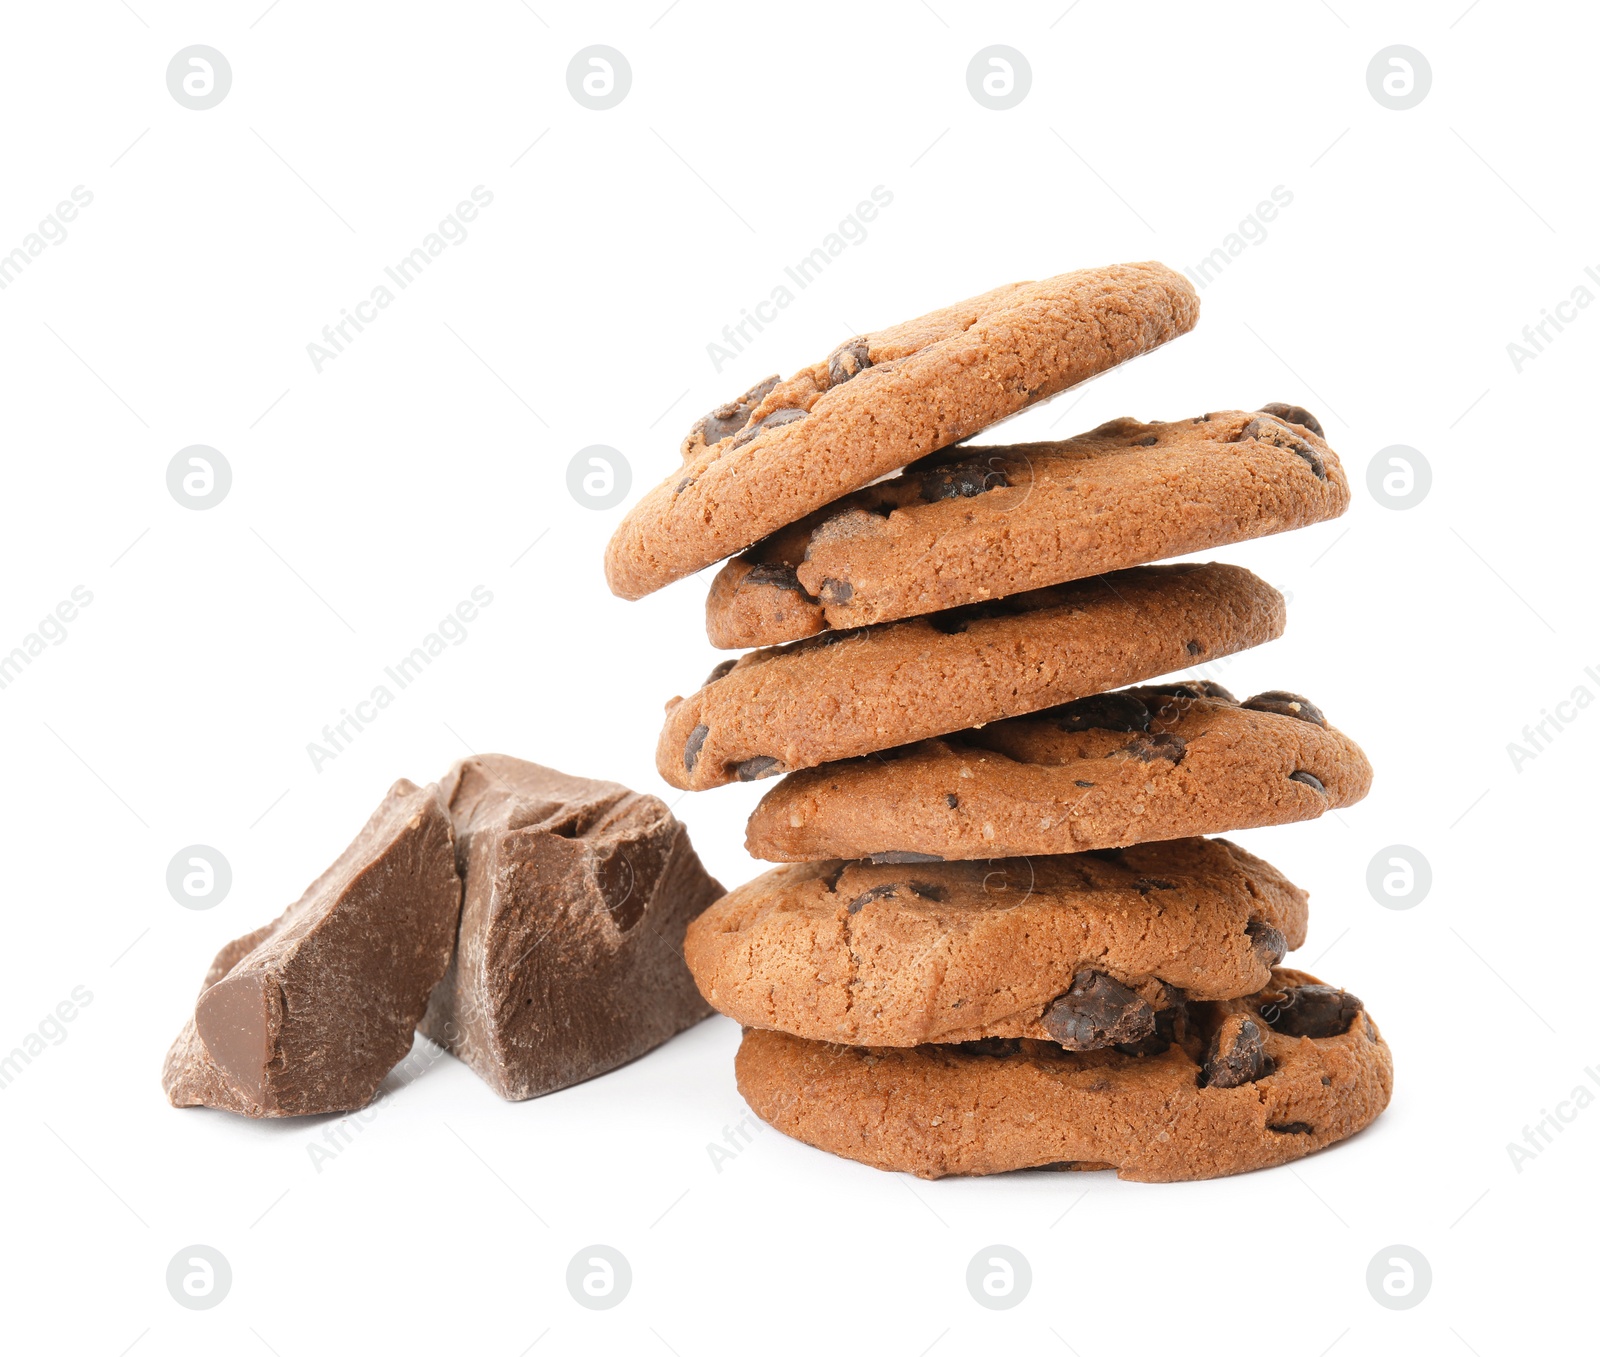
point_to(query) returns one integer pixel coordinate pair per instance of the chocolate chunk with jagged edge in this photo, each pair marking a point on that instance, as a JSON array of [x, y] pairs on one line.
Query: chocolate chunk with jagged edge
[[763, 765], [1153, 748], [1295, 414], [1280, 703], [1238, 1055], [691, 746], [961, 480], [719, 671], [1311, 1011], [1267, 942], [570, 956], [1194, 647], [1165, 1032], [734, 415], [836, 591], [1095, 1012], [895, 855], [952, 800], [1309, 779], [884, 892], [1105, 711], [846, 361], [1280, 435], [788, 415], [308, 1014], [1292, 1128], [774, 577]]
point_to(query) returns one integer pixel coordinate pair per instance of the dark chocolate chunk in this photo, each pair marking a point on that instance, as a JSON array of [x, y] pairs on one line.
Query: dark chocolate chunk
[[1079, 782], [1310, 779], [1312, 1011], [837, 591], [719, 671], [1267, 942], [962, 480], [730, 418], [952, 800], [1292, 1128], [774, 577], [577, 896], [1154, 748], [308, 1014], [1295, 414], [1194, 647], [846, 361], [1237, 1056], [1280, 703], [883, 892], [1147, 442], [1096, 1012], [1280, 435], [763, 765], [1164, 1034], [1105, 711], [1191, 691], [691, 746], [898, 855], [788, 415]]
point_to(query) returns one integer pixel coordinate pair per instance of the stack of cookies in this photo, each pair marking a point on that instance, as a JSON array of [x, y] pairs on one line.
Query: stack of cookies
[[999, 939]]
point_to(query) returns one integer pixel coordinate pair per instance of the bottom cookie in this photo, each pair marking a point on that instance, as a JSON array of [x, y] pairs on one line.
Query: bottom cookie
[[1237, 1085]]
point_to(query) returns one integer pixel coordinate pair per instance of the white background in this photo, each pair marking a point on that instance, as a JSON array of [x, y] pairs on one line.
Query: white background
[[429, 458]]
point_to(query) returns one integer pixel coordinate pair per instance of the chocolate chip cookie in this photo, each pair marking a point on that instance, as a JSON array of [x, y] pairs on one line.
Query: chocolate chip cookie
[[972, 522], [1238, 1085], [1085, 950], [847, 693], [881, 401], [1157, 762]]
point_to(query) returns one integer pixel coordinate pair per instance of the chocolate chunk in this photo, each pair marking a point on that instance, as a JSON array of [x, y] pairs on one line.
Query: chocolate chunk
[[1280, 435], [928, 890], [1147, 442], [994, 1047], [763, 765], [730, 418], [1280, 703], [1267, 942], [836, 591], [1154, 748], [1295, 414], [846, 361], [774, 576], [308, 1014], [1079, 782], [898, 855], [1070, 1166], [691, 746], [1191, 691], [719, 671], [1145, 884], [1292, 1128], [961, 480], [1106, 711], [772, 421], [1237, 1055], [1194, 647], [1164, 1034], [952, 800], [577, 895], [1312, 1011], [1310, 779], [1097, 1012], [884, 892]]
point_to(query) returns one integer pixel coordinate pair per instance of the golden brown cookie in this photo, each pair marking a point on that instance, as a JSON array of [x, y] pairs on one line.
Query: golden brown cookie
[[882, 400], [1080, 949], [843, 694], [973, 523], [1244, 1084], [1158, 762]]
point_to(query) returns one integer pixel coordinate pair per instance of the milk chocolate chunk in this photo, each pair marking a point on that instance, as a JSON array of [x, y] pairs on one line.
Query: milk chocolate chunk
[[577, 894], [308, 1014]]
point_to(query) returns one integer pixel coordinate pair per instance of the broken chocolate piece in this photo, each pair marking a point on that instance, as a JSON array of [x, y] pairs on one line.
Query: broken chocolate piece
[[1295, 414], [763, 765], [1163, 1035], [787, 415], [1106, 711], [733, 416], [883, 892], [1153, 748], [691, 746], [1193, 690], [961, 480], [1279, 435], [895, 855], [1280, 703], [1267, 942], [577, 895], [308, 1014], [1237, 1055], [1312, 1011], [1097, 1012], [847, 360], [1292, 1128]]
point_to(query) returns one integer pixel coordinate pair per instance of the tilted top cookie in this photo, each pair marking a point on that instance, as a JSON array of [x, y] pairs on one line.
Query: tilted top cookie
[[1082, 949], [842, 694], [882, 400], [1158, 762], [974, 522], [1244, 1084]]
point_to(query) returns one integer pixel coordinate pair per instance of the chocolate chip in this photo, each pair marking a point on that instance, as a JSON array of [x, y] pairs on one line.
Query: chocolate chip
[[787, 415], [899, 855], [1105, 711], [763, 765], [683, 485], [1237, 1055], [774, 576], [1310, 779], [1194, 647], [1164, 1034], [1295, 414], [1079, 782], [691, 748], [837, 591], [1191, 691], [1154, 748], [1097, 1012], [861, 901], [730, 418], [1149, 442], [1267, 942], [1279, 435], [1280, 703], [961, 480], [847, 360], [1292, 1128], [1312, 1011], [997, 1047], [952, 800], [718, 672]]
